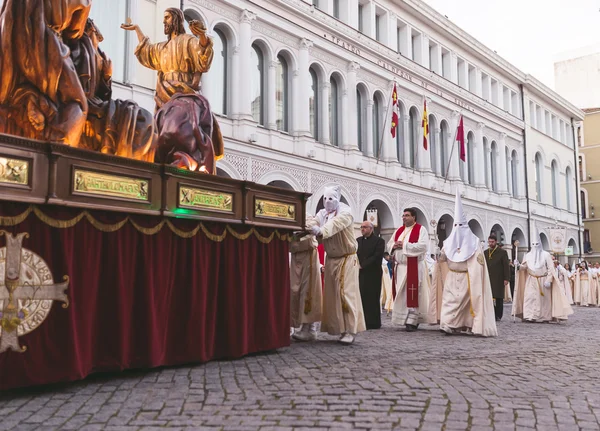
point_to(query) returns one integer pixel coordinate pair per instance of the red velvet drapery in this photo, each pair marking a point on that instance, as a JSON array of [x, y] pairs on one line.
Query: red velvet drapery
[[145, 300]]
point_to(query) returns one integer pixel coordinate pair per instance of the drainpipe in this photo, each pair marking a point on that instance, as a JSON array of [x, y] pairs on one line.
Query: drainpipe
[[525, 163], [577, 191]]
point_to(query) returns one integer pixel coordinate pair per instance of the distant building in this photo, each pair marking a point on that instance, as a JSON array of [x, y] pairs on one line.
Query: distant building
[[577, 77], [589, 172]]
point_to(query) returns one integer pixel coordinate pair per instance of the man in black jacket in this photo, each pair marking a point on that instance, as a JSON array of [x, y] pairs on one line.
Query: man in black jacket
[[498, 268], [370, 255]]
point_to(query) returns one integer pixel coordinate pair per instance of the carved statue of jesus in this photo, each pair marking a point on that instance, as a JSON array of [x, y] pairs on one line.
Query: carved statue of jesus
[[189, 135]]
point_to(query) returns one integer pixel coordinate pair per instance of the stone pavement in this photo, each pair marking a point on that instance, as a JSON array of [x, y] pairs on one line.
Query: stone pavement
[[533, 376]]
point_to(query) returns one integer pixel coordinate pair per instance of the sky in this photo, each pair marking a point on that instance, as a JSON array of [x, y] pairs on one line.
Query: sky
[[530, 34]]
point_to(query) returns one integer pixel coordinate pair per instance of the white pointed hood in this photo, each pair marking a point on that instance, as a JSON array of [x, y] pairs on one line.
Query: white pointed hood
[[536, 258], [462, 242]]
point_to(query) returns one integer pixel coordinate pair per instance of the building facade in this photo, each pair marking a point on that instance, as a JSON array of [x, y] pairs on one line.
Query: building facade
[[303, 94], [589, 172], [576, 76]]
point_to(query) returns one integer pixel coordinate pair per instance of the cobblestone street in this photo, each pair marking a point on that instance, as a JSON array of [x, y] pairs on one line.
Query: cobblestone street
[[542, 376]]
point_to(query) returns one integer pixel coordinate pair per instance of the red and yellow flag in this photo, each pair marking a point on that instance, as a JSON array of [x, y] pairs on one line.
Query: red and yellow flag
[[425, 124], [394, 125]]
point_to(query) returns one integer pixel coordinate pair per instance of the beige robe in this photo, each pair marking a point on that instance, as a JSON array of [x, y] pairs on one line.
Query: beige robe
[[386, 288], [565, 283], [305, 281], [419, 249], [533, 301], [583, 288], [466, 295], [342, 306]]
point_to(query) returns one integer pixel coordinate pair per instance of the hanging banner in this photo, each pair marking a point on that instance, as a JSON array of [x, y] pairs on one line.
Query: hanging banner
[[569, 251], [558, 239], [372, 217]]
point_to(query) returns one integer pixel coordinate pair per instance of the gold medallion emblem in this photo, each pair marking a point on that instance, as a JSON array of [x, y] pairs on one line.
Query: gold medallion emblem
[[480, 259], [27, 291]]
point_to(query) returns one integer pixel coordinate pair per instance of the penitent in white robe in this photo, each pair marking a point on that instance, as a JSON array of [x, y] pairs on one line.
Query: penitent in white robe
[[386, 288], [305, 281], [533, 301], [418, 249], [565, 283], [342, 306], [582, 283], [467, 301]]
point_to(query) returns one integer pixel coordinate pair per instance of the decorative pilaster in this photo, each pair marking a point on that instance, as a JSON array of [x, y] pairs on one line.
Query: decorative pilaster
[[349, 119], [369, 133], [245, 96], [324, 120], [303, 125], [271, 95]]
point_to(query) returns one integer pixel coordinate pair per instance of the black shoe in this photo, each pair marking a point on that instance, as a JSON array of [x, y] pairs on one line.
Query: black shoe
[[411, 328]]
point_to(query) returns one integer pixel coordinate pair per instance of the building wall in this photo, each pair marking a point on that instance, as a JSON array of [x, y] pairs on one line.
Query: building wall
[[577, 79], [590, 171]]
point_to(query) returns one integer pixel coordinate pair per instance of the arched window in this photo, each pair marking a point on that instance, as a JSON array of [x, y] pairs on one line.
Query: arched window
[[514, 173], [443, 147], [554, 172], [413, 129], [257, 70], [282, 95], [313, 104], [538, 177], [219, 74], [334, 112], [470, 166], [400, 138], [377, 124], [360, 121], [433, 145], [486, 163], [568, 175], [494, 166]]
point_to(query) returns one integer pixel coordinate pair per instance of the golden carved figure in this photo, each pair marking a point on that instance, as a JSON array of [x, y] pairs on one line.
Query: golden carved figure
[[55, 82], [188, 133]]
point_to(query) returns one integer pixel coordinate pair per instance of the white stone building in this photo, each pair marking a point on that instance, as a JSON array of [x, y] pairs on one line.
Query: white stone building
[[303, 93], [576, 76]]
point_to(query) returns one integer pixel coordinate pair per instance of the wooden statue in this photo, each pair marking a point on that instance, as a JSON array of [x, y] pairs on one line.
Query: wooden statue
[[55, 81], [188, 133]]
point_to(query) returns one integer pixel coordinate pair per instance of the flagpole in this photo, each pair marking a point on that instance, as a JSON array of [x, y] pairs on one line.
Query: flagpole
[[452, 151], [383, 127]]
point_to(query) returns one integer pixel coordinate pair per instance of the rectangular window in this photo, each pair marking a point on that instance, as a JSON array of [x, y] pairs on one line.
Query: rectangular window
[[506, 99], [539, 119], [361, 24], [485, 87], [378, 19], [446, 59], [316, 3], [435, 58], [516, 104], [416, 41], [336, 9], [461, 72], [403, 32], [472, 78], [115, 42], [495, 92]]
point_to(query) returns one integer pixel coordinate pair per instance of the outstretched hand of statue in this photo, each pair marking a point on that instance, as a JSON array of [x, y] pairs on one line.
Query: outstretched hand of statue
[[130, 26], [197, 27]]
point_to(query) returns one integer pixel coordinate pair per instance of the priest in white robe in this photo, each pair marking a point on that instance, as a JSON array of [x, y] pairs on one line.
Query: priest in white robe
[[342, 305], [411, 282], [538, 296], [467, 303], [305, 281]]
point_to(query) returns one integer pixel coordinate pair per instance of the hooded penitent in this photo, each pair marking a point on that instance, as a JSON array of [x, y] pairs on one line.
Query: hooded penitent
[[462, 243], [536, 258]]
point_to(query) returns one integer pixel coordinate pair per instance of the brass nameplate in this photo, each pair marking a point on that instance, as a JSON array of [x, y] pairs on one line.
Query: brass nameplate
[[272, 209], [105, 185], [191, 197], [14, 171]]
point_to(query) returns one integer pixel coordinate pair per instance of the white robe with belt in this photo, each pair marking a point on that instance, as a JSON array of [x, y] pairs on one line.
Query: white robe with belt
[[305, 282], [342, 306]]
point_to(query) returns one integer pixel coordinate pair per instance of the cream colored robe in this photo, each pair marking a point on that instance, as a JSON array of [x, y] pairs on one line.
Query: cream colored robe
[[342, 306], [386, 288], [565, 283], [466, 295], [582, 283], [305, 280], [535, 302], [418, 249]]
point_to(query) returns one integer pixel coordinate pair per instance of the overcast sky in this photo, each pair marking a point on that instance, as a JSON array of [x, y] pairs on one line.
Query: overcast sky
[[528, 33]]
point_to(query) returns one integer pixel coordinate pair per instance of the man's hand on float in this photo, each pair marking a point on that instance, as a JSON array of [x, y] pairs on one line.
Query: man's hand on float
[[506, 282], [316, 230], [398, 244]]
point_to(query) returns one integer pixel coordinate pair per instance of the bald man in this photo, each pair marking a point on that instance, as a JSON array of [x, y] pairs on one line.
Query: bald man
[[370, 254]]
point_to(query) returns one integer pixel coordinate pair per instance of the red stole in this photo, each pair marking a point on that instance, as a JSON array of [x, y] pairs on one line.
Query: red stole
[[412, 270]]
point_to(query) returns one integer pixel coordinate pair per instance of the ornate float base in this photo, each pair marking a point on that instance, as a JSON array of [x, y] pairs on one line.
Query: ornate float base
[[163, 266]]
